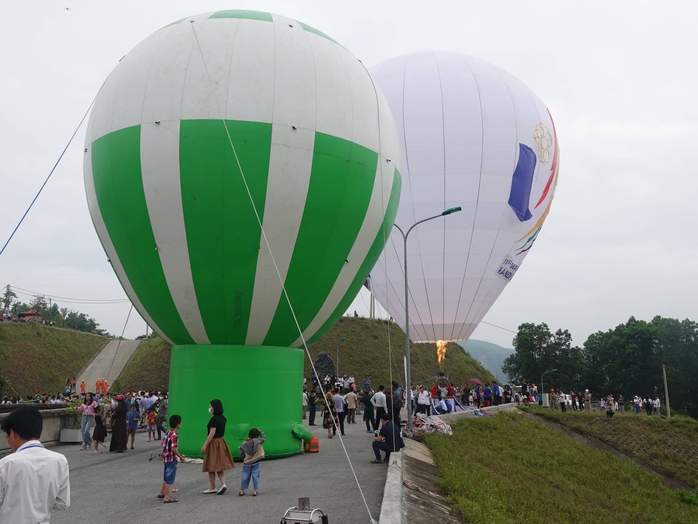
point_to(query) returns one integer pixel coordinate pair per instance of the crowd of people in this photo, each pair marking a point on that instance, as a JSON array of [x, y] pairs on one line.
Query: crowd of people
[[35, 483]]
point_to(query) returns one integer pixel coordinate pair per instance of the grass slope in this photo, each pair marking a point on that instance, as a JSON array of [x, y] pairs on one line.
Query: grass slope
[[365, 352], [670, 446], [509, 469], [148, 369], [38, 359]]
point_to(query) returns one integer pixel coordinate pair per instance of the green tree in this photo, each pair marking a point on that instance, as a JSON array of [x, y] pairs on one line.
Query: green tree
[[40, 304], [19, 307], [537, 350], [81, 322], [624, 360], [7, 298]]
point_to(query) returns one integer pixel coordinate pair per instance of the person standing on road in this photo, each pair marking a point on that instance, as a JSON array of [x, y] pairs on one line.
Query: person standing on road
[[562, 400], [88, 418], [352, 404], [217, 456], [379, 402], [33, 481], [305, 402], [397, 406], [312, 401], [118, 425], [100, 432], [252, 452], [424, 402], [170, 454], [133, 417], [162, 414], [339, 408], [369, 417], [329, 415]]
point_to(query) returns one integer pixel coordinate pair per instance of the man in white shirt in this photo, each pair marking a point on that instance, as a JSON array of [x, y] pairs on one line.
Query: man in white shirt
[[33, 481], [378, 401], [424, 402]]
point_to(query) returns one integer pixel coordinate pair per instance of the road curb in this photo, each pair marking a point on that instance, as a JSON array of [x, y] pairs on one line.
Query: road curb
[[392, 506]]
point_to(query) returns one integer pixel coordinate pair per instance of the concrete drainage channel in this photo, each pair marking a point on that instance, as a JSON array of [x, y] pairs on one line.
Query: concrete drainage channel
[[411, 492]]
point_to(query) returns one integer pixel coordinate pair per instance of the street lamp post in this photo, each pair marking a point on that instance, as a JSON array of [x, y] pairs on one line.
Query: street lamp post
[[408, 370], [336, 368], [542, 389]]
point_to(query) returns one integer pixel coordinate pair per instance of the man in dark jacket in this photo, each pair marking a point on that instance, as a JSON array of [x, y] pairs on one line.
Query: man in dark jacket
[[388, 440]]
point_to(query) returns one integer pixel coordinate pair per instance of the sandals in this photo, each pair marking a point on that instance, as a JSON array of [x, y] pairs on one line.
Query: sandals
[[242, 493], [161, 496], [255, 493], [170, 501]]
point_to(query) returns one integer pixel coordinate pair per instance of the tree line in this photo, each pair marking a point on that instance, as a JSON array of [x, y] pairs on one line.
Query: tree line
[[624, 360], [50, 312]]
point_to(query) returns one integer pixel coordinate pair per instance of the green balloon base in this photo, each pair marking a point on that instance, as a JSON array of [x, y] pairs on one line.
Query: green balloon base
[[259, 386]]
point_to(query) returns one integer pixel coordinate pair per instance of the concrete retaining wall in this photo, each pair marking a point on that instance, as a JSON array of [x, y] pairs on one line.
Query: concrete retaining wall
[[492, 409], [54, 420], [391, 507]]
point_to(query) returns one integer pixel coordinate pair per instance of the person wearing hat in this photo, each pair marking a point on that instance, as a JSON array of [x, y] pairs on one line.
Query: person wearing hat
[[118, 424]]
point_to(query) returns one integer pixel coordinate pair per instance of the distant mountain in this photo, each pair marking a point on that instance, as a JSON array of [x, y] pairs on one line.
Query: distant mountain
[[491, 356]]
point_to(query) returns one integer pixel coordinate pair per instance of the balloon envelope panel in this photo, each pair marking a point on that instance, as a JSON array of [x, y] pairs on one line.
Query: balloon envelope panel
[[314, 147], [476, 137]]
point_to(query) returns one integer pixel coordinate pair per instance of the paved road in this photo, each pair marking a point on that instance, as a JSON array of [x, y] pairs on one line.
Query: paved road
[[120, 488], [109, 362]]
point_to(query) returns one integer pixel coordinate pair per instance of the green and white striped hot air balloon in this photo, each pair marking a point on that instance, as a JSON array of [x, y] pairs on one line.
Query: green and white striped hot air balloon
[[314, 147]]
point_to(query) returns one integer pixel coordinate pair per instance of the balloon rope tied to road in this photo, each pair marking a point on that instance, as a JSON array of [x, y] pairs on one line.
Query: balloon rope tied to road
[[49, 175], [271, 253]]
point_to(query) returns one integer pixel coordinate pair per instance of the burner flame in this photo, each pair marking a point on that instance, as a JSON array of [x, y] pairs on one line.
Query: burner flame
[[441, 353]]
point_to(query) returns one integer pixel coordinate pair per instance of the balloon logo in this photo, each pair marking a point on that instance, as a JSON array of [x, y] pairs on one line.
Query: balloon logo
[[209, 127], [476, 137]]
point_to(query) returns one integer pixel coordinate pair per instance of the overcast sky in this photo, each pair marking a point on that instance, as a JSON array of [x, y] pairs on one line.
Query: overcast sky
[[618, 77]]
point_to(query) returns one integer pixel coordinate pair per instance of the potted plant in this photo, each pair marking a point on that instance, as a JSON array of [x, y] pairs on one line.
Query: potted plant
[[71, 431]]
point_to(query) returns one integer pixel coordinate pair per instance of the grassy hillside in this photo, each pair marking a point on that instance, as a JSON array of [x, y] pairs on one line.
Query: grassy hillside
[[38, 359], [510, 469], [670, 446], [148, 369], [365, 352], [491, 356]]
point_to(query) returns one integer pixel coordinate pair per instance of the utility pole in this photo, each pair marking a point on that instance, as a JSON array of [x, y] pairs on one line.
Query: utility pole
[[666, 394]]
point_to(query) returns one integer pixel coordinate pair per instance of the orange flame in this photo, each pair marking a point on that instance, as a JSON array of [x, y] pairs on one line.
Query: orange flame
[[441, 353]]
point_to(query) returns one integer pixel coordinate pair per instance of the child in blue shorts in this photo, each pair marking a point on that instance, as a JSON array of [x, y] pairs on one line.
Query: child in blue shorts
[[132, 420], [170, 454]]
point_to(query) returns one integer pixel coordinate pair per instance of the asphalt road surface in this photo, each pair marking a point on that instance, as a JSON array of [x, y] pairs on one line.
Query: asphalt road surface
[[121, 488]]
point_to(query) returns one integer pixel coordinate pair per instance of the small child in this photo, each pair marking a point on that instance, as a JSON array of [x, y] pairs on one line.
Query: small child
[[132, 420], [151, 417], [100, 431], [253, 453], [170, 453]]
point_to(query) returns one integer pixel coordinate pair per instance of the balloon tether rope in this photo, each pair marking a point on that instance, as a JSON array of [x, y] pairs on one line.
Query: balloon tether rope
[[273, 259]]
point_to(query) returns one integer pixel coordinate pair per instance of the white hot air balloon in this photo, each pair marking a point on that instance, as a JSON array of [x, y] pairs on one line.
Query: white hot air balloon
[[472, 136]]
